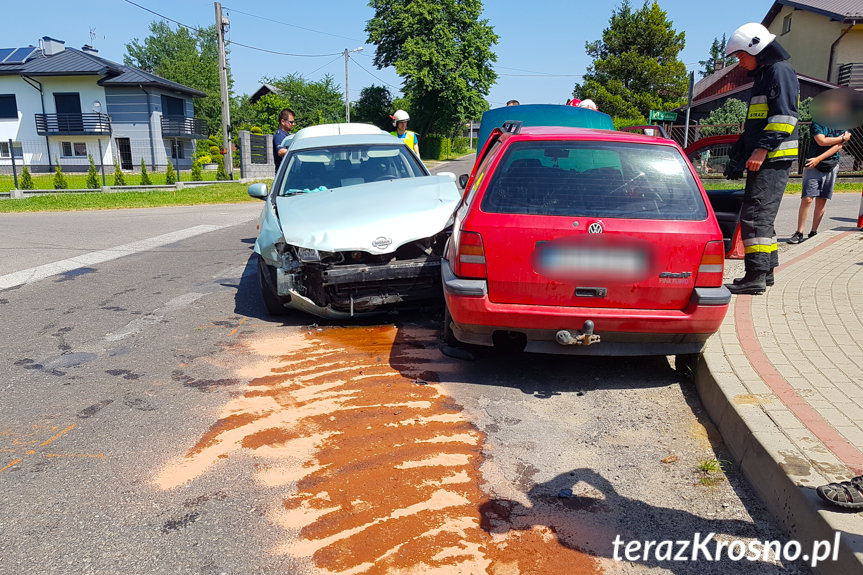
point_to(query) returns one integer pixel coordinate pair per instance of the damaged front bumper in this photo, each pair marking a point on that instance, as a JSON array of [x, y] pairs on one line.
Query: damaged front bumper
[[344, 291]]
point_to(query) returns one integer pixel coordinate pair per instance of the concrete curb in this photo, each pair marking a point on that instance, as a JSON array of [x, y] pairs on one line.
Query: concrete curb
[[783, 476]]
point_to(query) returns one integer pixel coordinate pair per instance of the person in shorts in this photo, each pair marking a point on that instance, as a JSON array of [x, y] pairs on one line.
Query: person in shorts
[[819, 177]]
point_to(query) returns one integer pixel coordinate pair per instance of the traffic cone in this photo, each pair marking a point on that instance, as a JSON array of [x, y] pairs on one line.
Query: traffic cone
[[860, 216]]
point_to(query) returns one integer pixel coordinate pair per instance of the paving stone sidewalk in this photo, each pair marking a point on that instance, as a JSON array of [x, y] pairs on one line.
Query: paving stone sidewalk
[[783, 381]]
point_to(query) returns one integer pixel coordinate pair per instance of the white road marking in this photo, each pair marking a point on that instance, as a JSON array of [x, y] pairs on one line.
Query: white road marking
[[92, 258], [152, 318]]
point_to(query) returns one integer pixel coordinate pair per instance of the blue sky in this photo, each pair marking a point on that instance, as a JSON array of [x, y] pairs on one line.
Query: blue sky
[[543, 37]]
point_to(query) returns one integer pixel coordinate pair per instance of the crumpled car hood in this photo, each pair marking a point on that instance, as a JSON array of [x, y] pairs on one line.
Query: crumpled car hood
[[376, 218]]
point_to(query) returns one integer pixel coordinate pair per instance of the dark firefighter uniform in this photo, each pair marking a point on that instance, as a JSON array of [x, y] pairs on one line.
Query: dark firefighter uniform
[[771, 124]]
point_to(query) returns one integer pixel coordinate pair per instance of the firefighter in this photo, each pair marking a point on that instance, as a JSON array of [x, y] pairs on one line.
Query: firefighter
[[411, 140], [766, 149]]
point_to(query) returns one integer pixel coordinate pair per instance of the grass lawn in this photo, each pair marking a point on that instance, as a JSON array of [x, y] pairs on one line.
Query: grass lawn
[[795, 187], [78, 180], [223, 193]]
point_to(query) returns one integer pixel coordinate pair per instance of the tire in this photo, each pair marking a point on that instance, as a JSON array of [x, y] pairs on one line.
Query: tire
[[272, 301], [448, 335]]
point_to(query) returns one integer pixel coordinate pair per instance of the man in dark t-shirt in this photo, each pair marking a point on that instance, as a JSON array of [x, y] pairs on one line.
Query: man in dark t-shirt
[[287, 119]]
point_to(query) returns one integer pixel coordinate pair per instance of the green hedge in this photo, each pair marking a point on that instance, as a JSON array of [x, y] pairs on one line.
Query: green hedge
[[435, 147], [460, 146]]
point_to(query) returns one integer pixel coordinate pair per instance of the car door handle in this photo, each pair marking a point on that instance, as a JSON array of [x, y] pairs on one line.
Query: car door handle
[[590, 292]]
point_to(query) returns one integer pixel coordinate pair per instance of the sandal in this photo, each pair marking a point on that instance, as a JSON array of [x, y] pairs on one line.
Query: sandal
[[847, 494]]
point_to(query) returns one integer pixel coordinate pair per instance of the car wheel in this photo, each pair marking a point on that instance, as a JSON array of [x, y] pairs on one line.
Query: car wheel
[[448, 335], [686, 364], [266, 281]]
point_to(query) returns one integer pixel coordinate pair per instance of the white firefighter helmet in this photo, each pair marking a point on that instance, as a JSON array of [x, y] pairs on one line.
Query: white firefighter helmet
[[589, 104], [751, 38], [400, 116]]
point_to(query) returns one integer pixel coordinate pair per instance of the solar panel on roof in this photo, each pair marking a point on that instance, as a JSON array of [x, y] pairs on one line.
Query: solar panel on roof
[[19, 55], [4, 53]]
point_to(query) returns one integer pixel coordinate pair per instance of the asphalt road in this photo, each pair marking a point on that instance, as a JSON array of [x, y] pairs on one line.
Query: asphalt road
[[154, 419]]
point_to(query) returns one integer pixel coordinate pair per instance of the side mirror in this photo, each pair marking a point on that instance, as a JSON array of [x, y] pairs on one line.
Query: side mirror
[[259, 191], [450, 175], [462, 180]]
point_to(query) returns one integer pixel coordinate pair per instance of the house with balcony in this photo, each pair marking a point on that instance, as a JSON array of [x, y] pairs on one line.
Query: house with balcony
[[58, 105], [824, 38]]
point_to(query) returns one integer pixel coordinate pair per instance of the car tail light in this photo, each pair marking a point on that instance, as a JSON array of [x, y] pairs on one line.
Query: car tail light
[[470, 256], [712, 265]]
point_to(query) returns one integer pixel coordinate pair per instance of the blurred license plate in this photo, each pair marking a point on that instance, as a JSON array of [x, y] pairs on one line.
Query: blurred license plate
[[592, 262]]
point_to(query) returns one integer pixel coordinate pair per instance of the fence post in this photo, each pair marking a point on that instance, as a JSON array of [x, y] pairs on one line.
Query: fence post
[[241, 140], [102, 162], [14, 168], [179, 155]]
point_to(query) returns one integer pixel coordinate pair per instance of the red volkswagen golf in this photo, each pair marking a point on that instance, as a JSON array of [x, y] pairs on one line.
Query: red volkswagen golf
[[584, 241]]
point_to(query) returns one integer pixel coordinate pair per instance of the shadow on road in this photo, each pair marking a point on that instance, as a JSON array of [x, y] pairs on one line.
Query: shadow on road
[[574, 520]]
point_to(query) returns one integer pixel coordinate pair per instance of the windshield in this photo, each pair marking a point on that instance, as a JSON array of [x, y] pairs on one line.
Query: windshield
[[341, 166], [594, 179]]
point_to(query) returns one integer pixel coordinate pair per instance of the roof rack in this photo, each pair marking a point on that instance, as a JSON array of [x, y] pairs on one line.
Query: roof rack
[[512, 126]]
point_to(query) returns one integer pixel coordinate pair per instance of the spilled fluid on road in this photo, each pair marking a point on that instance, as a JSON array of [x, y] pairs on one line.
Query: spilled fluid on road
[[381, 469]]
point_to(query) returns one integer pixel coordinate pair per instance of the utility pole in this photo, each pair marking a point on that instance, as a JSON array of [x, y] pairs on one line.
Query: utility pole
[[347, 93], [223, 24], [688, 108]]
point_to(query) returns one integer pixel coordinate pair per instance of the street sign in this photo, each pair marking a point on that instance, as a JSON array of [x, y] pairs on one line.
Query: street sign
[[659, 116]]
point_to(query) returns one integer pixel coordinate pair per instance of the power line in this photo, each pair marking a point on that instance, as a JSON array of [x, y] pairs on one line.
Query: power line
[[372, 75], [268, 51], [169, 19], [541, 75], [162, 16], [293, 25], [533, 73], [324, 66]]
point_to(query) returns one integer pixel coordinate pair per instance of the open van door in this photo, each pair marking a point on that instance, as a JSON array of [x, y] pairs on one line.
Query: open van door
[[709, 156]]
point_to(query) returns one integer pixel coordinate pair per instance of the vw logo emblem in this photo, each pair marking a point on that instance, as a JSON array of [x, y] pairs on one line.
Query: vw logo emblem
[[595, 228], [382, 243]]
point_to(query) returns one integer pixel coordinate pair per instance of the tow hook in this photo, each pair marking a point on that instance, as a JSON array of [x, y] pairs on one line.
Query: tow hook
[[583, 337]]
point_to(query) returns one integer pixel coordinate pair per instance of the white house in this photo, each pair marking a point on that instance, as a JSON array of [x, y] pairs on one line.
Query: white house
[[59, 105]]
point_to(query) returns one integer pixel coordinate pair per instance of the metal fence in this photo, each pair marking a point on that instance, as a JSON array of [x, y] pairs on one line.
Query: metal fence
[[851, 157], [72, 154]]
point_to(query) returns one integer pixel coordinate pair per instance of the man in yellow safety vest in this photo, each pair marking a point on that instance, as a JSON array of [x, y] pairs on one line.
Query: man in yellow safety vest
[[411, 140]]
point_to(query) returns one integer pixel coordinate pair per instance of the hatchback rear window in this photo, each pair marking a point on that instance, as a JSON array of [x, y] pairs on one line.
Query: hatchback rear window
[[594, 179]]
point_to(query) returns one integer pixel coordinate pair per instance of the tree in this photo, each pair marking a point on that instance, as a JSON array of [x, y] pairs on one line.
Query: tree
[[221, 174], [374, 106], [635, 65], [717, 54], [443, 51], [92, 175], [60, 182], [145, 177], [170, 174], [26, 180], [119, 179], [318, 102], [732, 111], [190, 58]]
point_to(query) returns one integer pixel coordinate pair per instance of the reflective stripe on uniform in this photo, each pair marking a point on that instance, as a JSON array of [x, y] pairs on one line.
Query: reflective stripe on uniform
[[784, 150], [760, 249], [760, 245], [784, 124], [758, 100]]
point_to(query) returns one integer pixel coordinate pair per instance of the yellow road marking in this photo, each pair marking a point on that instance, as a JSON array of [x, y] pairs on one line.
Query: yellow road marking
[[57, 436], [74, 455], [11, 464]]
